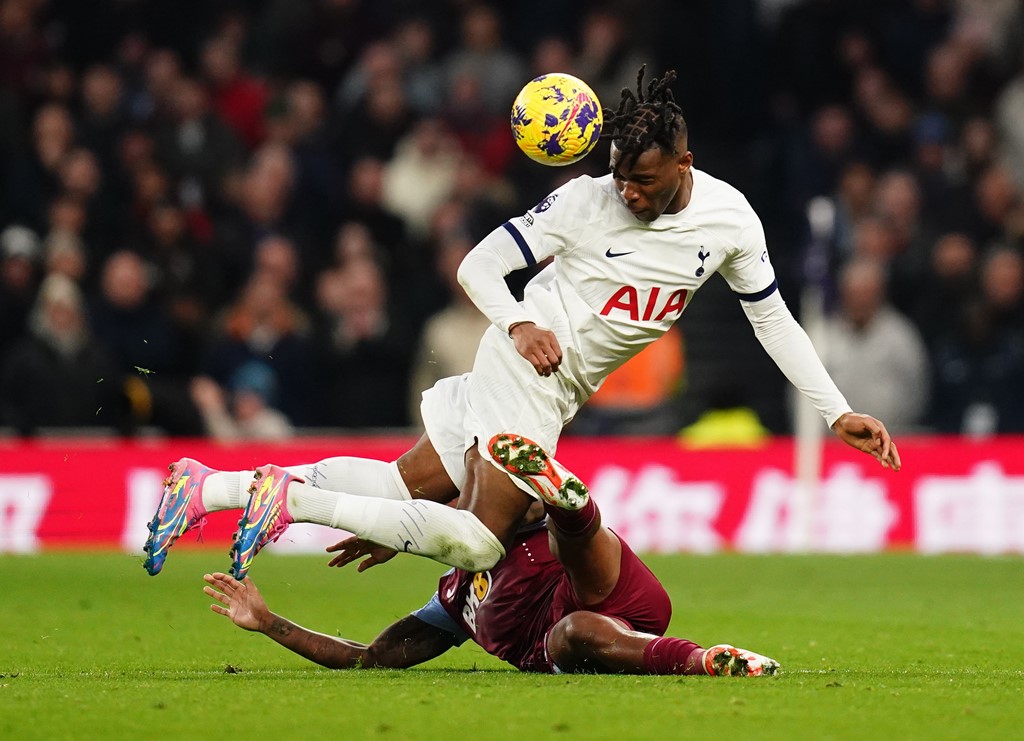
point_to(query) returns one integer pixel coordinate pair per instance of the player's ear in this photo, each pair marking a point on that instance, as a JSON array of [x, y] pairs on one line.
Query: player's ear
[[685, 162]]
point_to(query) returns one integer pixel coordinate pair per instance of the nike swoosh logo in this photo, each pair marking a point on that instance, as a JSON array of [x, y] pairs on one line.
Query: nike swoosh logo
[[609, 253]]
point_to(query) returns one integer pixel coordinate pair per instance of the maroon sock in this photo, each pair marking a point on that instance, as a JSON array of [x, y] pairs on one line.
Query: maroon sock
[[573, 521], [673, 656]]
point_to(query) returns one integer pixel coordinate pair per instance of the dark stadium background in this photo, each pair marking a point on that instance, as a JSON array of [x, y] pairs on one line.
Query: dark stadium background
[[216, 210]]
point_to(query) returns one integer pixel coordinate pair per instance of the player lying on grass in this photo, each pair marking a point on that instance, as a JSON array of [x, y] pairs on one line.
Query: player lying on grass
[[569, 598], [629, 252]]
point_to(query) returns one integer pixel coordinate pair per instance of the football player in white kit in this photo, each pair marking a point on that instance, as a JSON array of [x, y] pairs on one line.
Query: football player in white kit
[[630, 249]]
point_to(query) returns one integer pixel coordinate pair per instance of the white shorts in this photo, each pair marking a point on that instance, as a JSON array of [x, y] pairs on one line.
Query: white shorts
[[503, 393]]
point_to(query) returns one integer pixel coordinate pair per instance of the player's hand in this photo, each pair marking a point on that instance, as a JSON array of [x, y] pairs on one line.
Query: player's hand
[[355, 548], [539, 346], [240, 601], [869, 435]]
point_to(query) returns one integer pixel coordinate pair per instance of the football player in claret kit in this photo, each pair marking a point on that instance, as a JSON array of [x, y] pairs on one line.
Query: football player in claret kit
[[631, 250], [571, 597]]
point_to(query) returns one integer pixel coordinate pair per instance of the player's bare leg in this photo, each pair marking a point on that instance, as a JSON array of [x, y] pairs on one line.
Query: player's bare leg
[[591, 642], [424, 474], [492, 497]]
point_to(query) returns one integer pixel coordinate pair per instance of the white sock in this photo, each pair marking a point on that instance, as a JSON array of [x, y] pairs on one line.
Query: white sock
[[225, 490], [364, 477], [452, 536]]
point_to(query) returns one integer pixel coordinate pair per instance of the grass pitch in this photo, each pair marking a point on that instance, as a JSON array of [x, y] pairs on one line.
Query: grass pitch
[[893, 646]]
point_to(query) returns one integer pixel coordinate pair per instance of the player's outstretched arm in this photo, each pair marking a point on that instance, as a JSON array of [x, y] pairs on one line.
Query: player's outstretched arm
[[866, 433], [408, 642]]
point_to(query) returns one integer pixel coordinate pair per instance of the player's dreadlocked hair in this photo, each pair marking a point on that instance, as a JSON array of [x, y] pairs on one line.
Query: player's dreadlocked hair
[[645, 119]]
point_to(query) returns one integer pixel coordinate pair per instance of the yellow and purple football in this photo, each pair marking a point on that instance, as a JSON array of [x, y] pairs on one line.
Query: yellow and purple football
[[556, 119]]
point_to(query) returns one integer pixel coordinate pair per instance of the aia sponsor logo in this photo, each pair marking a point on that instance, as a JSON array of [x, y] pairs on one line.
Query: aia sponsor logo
[[644, 306], [478, 592]]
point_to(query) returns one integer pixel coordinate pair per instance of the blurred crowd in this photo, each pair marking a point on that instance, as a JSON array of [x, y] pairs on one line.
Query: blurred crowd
[[244, 219]]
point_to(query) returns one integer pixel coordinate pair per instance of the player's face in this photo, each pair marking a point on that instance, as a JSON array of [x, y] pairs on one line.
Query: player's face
[[655, 183]]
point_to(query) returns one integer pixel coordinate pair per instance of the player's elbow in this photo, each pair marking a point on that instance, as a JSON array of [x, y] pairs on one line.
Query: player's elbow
[[465, 271]]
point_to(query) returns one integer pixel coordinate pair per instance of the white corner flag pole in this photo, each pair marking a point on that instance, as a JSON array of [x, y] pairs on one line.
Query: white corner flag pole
[[808, 425]]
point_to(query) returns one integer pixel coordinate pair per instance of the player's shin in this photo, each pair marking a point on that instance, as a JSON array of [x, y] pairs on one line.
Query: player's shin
[[453, 537], [364, 477], [666, 655]]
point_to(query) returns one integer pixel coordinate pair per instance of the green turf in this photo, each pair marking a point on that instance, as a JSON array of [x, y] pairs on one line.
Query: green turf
[[895, 646]]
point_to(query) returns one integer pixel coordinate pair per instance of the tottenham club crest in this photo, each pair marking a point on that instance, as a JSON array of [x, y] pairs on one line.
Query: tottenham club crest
[[703, 256]]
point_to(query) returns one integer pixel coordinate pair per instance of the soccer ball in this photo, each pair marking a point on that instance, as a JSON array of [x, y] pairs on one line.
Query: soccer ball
[[556, 119]]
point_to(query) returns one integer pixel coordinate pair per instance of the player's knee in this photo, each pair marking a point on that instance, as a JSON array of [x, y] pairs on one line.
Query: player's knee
[[580, 629], [478, 550], [577, 641]]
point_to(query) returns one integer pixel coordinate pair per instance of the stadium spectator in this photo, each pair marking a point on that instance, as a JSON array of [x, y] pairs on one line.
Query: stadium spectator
[[101, 121], [951, 279], [998, 208], [416, 43], [422, 174], [298, 120], [853, 204], [264, 325], [128, 322], [162, 73], [20, 257], [898, 201], [482, 56], [481, 133], [363, 203], [59, 375], [193, 144], [246, 412], [65, 255], [380, 63], [187, 277], [980, 364], [81, 180], [33, 179], [238, 98], [608, 58], [23, 46], [875, 354], [363, 349], [374, 127], [817, 165]]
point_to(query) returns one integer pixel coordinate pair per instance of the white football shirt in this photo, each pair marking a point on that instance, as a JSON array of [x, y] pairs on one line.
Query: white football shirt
[[616, 283]]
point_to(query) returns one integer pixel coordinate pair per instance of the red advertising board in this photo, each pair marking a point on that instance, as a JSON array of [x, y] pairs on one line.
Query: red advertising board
[[952, 495]]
